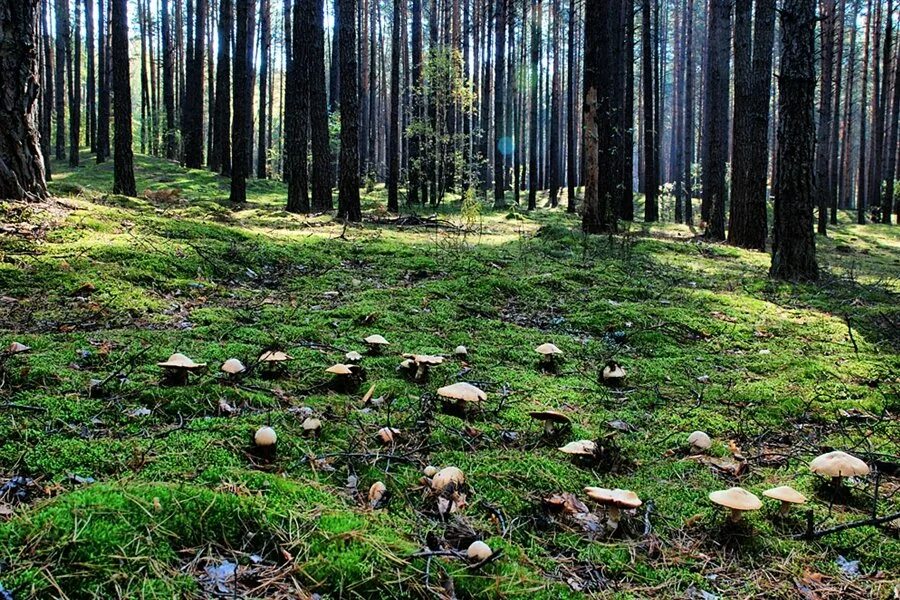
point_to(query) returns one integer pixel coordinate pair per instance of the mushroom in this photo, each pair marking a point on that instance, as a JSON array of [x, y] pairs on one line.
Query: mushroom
[[614, 500], [699, 441], [429, 471], [550, 419], [446, 477], [265, 436], [376, 343], [787, 495], [311, 426], [353, 357], [274, 356], [233, 367], [265, 439], [377, 493], [177, 368], [462, 392], [387, 434], [548, 353], [737, 499], [461, 352], [613, 374], [422, 362], [478, 551], [837, 464], [17, 348], [346, 377], [580, 448]]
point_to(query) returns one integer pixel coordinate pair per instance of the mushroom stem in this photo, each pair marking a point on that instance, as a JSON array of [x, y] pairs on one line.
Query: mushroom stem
[[736, 515], [784, 508], [421, 372], [836, 482], [615, 514], [548, 427]]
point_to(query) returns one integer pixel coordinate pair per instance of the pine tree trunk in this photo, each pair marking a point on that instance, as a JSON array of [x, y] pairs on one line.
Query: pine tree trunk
[[716, 116], [571, 144], [394, 134], [91, 99], [833, 168], [794, 249], [861, 191], [880, 95], [240, 133], [318, 114], [296, 155], [103, 88], [501, 143], [651, 177], [62, 45], [123, 166], [262, 146], [753, 75], [890, 163], [536, 14], [192, 116], [21, 162], [688, 112], [334, 72], [823, 136], [220, 160], [626, 203], [845, 181], [348, 192], [47, 86]]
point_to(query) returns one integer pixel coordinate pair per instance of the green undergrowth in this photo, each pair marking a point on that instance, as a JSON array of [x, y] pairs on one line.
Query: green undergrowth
[[133, 481]]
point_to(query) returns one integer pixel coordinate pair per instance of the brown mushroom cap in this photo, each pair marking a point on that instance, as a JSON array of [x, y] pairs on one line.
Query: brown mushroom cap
[[699, 439], [548, 349], [233, 366], [785, 493], [339, 369], [274, 356], [386, 434], [736, 498], [613, 497], [265, 436], [581, 447], [17, 348], [376, 340], [447, 476], [377, 492], [465, 392], [838, 464], [425, 359], [613, 372], [180, 361], [549, 415]]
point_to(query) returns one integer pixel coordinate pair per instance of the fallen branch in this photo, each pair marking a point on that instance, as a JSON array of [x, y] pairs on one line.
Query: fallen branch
[[812, 534]]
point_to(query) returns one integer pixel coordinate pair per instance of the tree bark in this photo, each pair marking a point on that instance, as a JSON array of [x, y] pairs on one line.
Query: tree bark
[[651, 161], [47, 86], [123, 165], [394, 134], [240, 129], [220, 159], [21, 162], [62, 46], [103, 88], [318, 114], [265, 44], [688, 126], [348, 193], [536, 14], [501, 142], [716, 118], [297, 149], [794, 249], [91, 100], [861, 183], [571, 144], [823, 136], [193, 101]]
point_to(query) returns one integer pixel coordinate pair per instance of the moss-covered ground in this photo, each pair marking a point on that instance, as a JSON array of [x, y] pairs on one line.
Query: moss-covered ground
[[117, 486]]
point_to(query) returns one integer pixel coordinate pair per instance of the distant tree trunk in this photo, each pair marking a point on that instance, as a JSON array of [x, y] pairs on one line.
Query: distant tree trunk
[[220, 159], [554, 157], [265, 44], [501, 144], [823, 137], [297, 150], [168, 77], [833, 164], [62, 48], [415, 167], [676, 159], [103, 88], [46, 86], [890, 163], [716, 118], [123, 167], [91, 100], [334, 73], [626, 204], [348, 192], [794, 250], [651, 177], [318, 113], [536, 15], [211, 89], [394, 134], [240, 132], [603, 99], [861, 192], [845, 182], [753, 81], [688, 112], [880, 99], [571, 144], [143, 21], [21, 162], [193, 101]]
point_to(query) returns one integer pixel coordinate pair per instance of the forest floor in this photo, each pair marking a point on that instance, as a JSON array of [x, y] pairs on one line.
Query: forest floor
[[113, 485]]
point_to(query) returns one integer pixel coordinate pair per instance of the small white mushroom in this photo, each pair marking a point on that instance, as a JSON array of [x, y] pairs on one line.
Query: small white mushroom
[[699, 441], [479, 551], [265, 436]]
